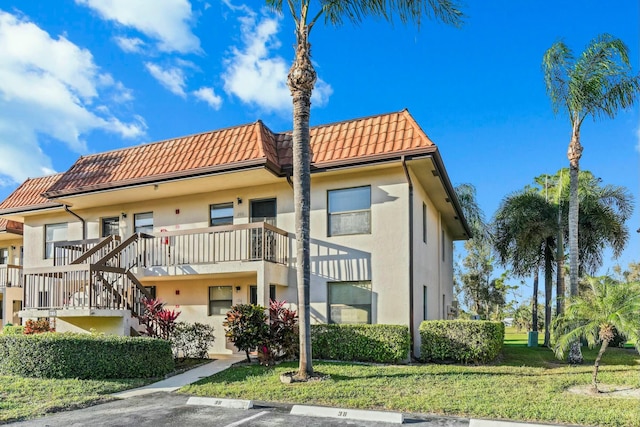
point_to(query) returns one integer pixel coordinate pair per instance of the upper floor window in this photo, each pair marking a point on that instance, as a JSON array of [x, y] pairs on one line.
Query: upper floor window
[[143, 222], [349, 211], [110, 226], [53, 233], [424, 222], [221, 214], [4, 255]]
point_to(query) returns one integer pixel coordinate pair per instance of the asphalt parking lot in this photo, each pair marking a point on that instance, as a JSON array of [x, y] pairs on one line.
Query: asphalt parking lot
[[170, 409]]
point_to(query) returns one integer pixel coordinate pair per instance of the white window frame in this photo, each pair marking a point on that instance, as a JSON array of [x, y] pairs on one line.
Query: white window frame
[[331, 213], [49, 254]]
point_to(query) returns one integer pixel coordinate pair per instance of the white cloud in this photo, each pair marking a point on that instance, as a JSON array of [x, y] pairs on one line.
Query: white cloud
[[166, 21], [171, 78], [47, 90], [130, 44], [207, 95], [254, 73]]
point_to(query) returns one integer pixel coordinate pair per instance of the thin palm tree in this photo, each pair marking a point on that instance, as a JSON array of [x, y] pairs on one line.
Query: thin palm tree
[[598, 84], [596, 314], [524, 231], [301, 81]]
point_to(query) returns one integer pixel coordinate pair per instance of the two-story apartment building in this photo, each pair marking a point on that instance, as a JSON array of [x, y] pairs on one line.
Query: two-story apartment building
[[206, 221]]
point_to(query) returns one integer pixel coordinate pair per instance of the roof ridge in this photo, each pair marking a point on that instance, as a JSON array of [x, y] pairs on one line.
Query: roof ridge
[[349, 120]]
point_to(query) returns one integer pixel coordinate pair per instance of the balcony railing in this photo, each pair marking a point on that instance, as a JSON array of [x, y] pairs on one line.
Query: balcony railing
[[243, 242], [10, 275], [81, 286]]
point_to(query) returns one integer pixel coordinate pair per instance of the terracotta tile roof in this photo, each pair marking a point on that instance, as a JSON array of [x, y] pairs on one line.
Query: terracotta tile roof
[[28, 196], [351, 141], [359, 139], [184, 156], [8, 226]]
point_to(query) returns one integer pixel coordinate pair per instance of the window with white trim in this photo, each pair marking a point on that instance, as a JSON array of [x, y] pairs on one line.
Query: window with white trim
[[220, 300], [349, 211], [143, 222], [53, 233]]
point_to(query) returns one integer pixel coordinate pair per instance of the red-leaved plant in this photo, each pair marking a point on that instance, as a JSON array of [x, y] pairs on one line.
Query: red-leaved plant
[[283, 330], [158, 322], [37, 327]]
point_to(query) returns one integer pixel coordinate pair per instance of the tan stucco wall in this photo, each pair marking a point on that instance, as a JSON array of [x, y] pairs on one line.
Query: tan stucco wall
[[107, 325], [13, 245], [430, 269]]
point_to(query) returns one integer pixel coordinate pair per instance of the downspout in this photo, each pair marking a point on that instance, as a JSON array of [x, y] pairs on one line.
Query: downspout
[[288, 174], [84, 224], [410, 183]]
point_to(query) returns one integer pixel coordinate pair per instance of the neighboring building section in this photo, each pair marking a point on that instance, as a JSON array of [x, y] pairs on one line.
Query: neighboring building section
[[206, 221]]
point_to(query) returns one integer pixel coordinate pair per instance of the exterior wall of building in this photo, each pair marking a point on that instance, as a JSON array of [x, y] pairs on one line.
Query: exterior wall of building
[[11, 300], [119, 325], [381, 257], [13, 246]]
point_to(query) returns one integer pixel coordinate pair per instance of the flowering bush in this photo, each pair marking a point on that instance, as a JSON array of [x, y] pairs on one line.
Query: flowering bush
[[192, 339]]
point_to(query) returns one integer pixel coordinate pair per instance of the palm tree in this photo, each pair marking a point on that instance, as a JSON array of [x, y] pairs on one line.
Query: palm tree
[[603, 212], [596, 314], [598, 83], [524, 237], [301, 81]]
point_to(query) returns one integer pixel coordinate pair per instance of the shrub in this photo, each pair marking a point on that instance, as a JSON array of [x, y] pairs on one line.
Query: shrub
[[10, 329], [158, 322], [283, 331], [246, 327], [55, 355], [37, 327], [192, 339], [363, 343], [465, 341]]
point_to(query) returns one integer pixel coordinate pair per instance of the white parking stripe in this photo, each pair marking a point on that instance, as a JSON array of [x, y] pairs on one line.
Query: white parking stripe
[[253, 417]]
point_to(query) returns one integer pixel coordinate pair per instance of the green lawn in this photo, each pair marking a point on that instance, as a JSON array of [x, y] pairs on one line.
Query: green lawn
[[528, 384], [23, 398]]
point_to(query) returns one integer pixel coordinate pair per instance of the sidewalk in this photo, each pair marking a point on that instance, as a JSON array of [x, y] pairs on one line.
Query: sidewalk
[[173, 383]]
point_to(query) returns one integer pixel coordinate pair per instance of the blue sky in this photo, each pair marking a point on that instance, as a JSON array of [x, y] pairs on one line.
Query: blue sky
[[85, 76]]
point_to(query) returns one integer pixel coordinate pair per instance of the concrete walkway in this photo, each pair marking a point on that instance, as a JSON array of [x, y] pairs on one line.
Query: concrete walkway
[[173, 383]]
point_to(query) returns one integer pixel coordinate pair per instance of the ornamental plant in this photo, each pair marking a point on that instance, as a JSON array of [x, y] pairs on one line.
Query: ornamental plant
[[246, 327], [37, 327], [158, 322], [192, 339], [283, 331]]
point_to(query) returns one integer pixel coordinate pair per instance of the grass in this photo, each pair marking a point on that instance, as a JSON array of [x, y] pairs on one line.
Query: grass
[[24, 398], [527, 384]]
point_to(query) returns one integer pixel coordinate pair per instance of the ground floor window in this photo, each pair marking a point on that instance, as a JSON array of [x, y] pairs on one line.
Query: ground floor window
[[253, 293], [349, 302], [220, 300]]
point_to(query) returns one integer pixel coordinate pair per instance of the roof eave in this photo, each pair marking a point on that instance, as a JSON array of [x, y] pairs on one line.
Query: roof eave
[[173, 176]]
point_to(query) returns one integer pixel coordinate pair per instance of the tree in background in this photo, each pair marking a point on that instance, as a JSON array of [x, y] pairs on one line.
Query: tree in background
[[301, 81], [607, 307], [484, 295], [598, 84], [524, 230]]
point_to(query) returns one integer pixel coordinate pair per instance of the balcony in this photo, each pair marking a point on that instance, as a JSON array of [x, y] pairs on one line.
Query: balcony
[[233, 243], [98, 274], [10, 276]]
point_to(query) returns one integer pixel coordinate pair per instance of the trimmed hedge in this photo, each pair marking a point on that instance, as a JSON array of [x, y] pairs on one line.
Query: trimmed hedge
[[56, 355], [465, 341], [361, 343]]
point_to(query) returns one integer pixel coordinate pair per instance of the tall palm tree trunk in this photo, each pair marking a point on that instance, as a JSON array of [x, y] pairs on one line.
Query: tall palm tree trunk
[[596, 366], [560, 286], [534, 306], [548, 289], [574, 153], [301, 80]]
